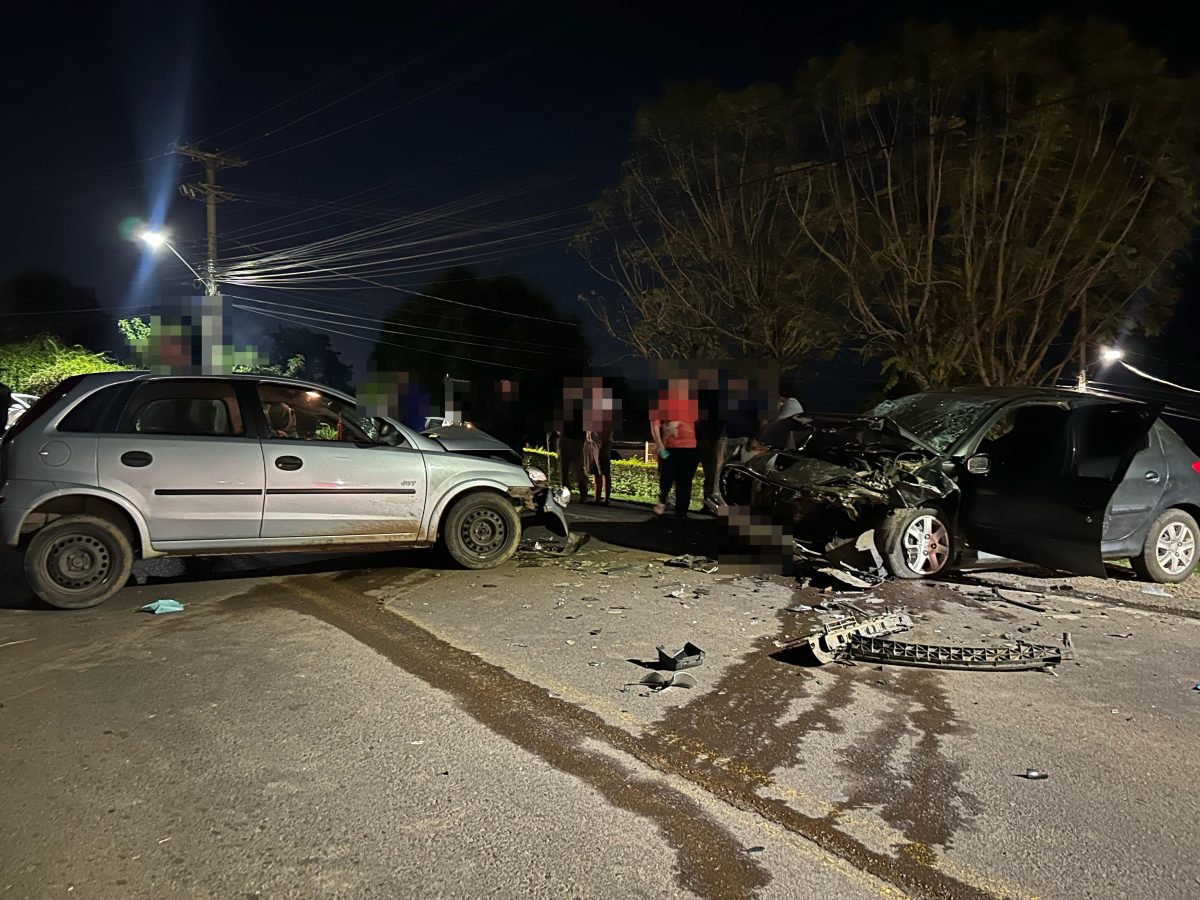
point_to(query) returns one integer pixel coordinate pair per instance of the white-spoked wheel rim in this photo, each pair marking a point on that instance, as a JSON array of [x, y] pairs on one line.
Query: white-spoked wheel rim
[[926, 545], [1176, 548]]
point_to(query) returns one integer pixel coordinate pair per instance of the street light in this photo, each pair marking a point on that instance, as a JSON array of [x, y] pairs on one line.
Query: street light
[[1111, 354], [156, 239]]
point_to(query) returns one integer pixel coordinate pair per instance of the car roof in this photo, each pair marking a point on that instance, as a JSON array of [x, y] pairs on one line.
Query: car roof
[[987, 392], [120, 377]]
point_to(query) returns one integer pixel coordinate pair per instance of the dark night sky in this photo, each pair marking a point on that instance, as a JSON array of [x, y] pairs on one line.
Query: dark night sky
[[469, 99]]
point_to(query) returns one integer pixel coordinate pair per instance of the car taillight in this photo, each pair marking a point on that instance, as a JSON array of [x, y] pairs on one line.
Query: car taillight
[[1196, 467]]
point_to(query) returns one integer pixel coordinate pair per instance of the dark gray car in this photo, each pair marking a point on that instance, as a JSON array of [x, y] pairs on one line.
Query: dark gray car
[[109, 467], [1048, 476]]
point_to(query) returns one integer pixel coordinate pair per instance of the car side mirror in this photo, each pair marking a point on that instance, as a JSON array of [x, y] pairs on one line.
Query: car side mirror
[[979, 464]]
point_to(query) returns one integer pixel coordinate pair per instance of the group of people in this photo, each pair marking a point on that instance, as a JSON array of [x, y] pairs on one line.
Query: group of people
[[697, 421]]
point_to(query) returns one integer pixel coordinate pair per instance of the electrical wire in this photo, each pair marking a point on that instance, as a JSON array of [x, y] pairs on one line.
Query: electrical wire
[[359, 337], [1148, 376]]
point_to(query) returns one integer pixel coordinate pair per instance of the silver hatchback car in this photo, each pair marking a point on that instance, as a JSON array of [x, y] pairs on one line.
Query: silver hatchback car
[[110, 467]]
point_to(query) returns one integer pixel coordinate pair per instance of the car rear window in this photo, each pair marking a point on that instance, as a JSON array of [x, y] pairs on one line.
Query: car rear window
[[184, 408], [87, 415], [48, 401]]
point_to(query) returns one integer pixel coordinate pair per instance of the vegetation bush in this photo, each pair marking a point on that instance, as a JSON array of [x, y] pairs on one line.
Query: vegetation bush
[[632, 479], [35, 366]]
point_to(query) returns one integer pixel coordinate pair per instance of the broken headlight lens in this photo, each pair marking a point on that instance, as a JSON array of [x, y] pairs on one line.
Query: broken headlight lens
[[537, 476]]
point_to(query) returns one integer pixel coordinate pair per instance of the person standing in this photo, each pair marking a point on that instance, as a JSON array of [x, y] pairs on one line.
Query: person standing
[[570, 442], [710, 435], [673, 429]]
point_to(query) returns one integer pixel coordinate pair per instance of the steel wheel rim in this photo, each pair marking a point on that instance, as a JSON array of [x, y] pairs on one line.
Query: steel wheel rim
[[926, 545], [1176, 549], [77, 562], [483, 531]]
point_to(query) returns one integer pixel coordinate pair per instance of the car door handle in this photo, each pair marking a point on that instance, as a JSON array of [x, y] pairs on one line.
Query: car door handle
[[1152, 477], [289, 463], [136, 459]]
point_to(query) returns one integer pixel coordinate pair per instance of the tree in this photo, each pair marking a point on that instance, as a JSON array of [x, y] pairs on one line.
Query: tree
[[33, 303], [697, 238], [994, 206], [482, 330], [36, 365], [299, 352]]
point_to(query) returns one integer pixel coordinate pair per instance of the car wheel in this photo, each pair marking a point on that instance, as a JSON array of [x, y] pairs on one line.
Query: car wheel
[[1169, 555], [78, 561], [481, 531], [916, 543]]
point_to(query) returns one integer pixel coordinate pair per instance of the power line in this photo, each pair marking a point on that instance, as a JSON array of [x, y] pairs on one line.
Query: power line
[[359, 337]]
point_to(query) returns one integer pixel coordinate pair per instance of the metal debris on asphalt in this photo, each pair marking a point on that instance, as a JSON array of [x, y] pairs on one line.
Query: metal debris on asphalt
[[687, 658], [834, 640], [660, 681], [1035, 775]]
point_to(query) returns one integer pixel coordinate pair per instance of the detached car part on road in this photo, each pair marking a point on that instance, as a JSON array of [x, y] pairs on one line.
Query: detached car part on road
[[1054, 477], [110, 467]]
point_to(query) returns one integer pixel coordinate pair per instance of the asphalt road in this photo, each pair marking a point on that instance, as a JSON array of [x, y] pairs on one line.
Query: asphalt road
[[384, 726]]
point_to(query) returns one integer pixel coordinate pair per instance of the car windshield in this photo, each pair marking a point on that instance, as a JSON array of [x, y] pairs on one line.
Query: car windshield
[[937, 419]]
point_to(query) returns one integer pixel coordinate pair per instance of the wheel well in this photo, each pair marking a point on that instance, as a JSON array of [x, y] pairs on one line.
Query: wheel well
[[1190, 508], [80, 504], [458, 498]]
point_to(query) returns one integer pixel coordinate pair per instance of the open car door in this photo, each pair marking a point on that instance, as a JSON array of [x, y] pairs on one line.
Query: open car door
[[1050, 481]]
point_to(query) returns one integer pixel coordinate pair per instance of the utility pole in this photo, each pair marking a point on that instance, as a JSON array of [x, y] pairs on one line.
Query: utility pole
[[210, 322], [211, 194]]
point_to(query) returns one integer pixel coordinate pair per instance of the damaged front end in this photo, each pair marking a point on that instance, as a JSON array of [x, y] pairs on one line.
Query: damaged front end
[[833, 477], [543, 505]]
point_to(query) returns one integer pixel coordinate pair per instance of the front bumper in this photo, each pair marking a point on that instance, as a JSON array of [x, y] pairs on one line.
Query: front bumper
[[551, 513]]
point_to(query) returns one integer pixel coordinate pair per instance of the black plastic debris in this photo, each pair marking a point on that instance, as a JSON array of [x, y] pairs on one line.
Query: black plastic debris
[[1035, 775], [689, 657]]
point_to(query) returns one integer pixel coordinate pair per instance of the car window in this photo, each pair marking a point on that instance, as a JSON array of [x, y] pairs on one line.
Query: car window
[[85, 417], [1029, 443], [937, 419], [299, 414], [191, 408]]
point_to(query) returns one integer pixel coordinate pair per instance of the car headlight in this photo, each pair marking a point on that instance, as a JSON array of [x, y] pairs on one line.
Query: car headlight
[[564, 496], [537, 476]]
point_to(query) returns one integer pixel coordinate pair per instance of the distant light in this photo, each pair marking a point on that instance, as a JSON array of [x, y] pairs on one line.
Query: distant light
[[1111, 354], [153, 239]]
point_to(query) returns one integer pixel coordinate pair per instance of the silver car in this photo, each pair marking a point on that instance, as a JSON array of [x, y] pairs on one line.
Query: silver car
[[111, 467]]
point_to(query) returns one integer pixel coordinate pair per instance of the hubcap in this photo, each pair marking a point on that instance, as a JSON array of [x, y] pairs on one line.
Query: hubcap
[[78, 561], [1176, 549], [926, 545], [484, 531]]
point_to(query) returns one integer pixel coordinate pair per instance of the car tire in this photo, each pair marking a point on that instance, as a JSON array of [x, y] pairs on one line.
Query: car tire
[[1170, 553], [917, 543], [481, 531], [78, 561]]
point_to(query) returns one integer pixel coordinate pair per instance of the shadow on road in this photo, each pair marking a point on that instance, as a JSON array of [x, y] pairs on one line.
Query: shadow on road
[[201, 569], [639, 530]]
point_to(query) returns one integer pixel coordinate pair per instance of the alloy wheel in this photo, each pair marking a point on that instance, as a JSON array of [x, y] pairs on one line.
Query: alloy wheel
[[1176, 548], [926, 544]]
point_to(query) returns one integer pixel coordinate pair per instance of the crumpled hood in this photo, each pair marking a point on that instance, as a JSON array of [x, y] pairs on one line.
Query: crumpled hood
[[472, 442]]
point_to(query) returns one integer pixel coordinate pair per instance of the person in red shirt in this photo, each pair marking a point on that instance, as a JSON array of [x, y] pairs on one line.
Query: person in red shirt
[[673, 429]]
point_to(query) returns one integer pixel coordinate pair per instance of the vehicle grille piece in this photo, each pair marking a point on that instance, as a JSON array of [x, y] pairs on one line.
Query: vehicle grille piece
[[866, 648]]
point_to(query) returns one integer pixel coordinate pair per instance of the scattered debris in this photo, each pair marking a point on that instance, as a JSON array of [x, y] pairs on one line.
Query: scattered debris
[[530, 547], [13, 643], [755, 849], [687, 658], [660, 681], [834, 640], [695, 563], [848, 579], [860, 555], [162, 605], [936, 656], [1156, 590], [1035, 775], [613, 569]]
